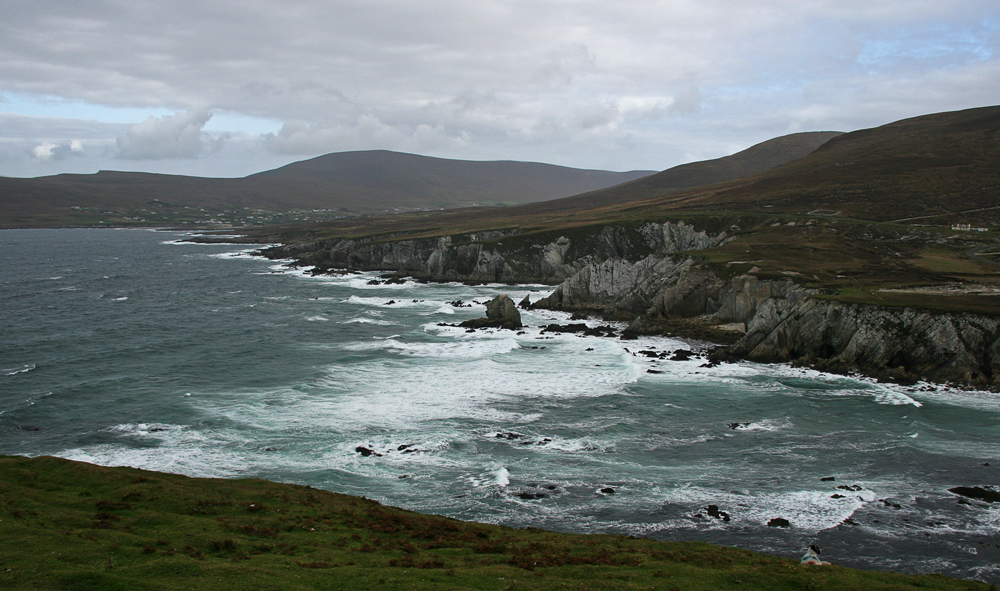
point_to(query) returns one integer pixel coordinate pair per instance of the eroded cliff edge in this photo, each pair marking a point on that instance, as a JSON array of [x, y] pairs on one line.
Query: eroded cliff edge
[[643, 273], [781, 321]]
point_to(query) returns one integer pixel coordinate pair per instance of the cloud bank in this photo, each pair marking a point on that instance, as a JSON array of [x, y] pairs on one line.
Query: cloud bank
[[630, 84], [176, 136]]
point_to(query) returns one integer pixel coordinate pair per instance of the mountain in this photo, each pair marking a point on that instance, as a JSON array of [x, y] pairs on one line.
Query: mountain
[[940, 165], [383, 179], [755, 159], [347, 183]]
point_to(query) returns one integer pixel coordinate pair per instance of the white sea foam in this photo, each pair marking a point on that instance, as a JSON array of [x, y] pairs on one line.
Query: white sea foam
[[384, 302], [808, 511], [766, 425], [316, 318], [971, 399], [236, 254], [374, 321], [447, 350], [182, 450], [16, 370]]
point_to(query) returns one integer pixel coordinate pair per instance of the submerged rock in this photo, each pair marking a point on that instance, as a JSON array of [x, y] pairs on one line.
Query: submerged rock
[[580, 328], [977, 492], [682, 355], [779, 522], [713, 511], [531, 496]]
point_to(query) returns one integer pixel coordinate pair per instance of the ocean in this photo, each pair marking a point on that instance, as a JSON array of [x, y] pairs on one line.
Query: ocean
[[134, 348]]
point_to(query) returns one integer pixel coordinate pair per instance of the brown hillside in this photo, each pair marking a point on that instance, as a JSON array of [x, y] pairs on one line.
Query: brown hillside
[[349, 182]]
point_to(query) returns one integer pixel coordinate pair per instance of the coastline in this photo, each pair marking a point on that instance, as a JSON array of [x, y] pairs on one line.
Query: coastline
[[644, 276], [71, 523]]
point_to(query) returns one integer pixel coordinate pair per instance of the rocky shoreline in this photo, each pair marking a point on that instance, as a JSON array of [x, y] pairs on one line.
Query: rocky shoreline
[[642, 275]]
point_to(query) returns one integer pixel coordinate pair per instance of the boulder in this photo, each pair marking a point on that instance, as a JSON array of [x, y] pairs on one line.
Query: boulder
[[977, 492], [500, 313]]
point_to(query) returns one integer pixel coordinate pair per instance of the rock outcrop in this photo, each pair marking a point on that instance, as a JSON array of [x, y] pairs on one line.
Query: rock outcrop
[[899, 343], [500, 313], [782, 321], [498, 256], [639, 273]]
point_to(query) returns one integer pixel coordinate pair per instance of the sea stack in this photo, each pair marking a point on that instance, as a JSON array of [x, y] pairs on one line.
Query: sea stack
[[500, 313]]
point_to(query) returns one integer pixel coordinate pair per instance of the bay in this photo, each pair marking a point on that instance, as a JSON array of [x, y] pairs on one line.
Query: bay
[[130, 347]]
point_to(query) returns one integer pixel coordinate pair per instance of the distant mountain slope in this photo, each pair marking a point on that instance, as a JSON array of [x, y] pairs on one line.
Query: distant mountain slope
[[352, 182], [945, 165], [393, 179], [755, 159], [932, 165]]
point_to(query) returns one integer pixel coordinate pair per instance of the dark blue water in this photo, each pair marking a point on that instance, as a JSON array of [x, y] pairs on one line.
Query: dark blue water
[[124, 347]]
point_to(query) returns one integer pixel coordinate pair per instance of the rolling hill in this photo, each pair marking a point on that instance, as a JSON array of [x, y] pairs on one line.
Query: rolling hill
[[346, 183], [359, 183], [755, 159], [944, 165]]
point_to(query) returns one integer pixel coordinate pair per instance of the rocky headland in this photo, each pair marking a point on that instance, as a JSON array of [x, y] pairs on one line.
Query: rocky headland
[[645, 274]]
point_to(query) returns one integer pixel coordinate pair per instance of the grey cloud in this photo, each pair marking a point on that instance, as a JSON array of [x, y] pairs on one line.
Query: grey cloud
[[48, 151], [299, 137], [687, 101], [170, 136], [572, 80], [367, 132]]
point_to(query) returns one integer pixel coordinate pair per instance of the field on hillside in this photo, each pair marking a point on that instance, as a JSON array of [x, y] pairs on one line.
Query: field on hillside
[[69, 525]]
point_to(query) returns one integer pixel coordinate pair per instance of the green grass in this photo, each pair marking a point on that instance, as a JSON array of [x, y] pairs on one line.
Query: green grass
[[74, 526], [988, 305]]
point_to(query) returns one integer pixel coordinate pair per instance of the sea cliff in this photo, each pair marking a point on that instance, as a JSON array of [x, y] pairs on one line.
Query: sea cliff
[[643, 273]]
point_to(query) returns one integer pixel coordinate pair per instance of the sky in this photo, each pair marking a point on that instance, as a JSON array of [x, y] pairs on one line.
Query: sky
[[232, 87]]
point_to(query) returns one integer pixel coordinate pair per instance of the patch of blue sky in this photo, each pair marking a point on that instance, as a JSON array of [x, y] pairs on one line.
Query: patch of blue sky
[[229, 122], [33, 105], [938, 45]]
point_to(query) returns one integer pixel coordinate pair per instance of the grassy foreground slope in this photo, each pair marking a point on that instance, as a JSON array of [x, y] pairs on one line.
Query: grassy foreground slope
[[76, 526]]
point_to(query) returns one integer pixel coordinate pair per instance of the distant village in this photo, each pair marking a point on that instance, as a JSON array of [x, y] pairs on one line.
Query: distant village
[[968, 228]]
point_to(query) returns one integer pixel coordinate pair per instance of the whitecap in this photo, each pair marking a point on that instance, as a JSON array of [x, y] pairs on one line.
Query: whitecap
[[894, 398], [373, 321], [767, 425], [236, 254], [179, 450], [22, 369], [451, 350], [317, 318]]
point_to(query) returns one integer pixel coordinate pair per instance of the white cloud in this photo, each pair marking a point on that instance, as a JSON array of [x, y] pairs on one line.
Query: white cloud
[[170, 136], [50, 151]]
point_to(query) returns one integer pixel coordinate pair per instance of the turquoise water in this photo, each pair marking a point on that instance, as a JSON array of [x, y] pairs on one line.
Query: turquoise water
[[126, 347]]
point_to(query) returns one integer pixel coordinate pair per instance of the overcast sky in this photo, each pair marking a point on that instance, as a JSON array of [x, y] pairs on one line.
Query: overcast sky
[[228, 88]]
